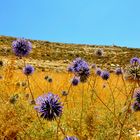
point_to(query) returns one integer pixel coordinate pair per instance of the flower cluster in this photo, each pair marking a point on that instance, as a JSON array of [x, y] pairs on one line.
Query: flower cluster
[[80, 68], [136, 104], [48, 106], [21, 47]]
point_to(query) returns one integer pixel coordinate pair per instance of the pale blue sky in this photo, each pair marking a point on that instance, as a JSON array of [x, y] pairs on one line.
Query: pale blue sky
[[103, 22]]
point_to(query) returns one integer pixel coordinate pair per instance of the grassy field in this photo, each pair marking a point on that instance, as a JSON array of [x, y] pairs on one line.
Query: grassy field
[[95, 110]]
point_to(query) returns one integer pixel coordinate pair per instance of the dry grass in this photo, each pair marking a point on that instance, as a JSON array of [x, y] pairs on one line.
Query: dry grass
[[84, 114]]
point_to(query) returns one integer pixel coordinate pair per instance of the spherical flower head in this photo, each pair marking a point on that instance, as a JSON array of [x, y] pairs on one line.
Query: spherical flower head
[[118, 71], [81, 69], [71, 138], [136, 96], [105, 75], [133, 72], [75, 81], [48, 106], [136, 106], [28, 70], [99, 52], [21, 47], [98, 71], [135, 61]]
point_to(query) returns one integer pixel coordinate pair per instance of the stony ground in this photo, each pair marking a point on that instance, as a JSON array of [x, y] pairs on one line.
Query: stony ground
[[50, 55]]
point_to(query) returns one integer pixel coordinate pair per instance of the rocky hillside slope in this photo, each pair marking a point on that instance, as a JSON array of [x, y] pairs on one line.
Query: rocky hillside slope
[[52, 54]]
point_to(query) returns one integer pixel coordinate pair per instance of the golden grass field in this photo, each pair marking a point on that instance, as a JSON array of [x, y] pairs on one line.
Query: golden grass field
[[91, 111]]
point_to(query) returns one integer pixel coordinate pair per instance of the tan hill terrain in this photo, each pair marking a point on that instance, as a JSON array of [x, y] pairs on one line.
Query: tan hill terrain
[[55, 55]]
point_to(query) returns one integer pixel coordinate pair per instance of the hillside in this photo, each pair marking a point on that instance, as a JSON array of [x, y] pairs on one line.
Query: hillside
[[57, 55]]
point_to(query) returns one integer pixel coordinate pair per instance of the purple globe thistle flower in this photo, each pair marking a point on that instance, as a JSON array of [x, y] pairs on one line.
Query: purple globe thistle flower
[[118, 71], [99, 52], [98, 71], [21, 47], [93, 66], [80, 69], [136, 106], [134, 61], [105, 75], [71, 138], [75, 81], [48, 106], [28, 70], [136, 96]]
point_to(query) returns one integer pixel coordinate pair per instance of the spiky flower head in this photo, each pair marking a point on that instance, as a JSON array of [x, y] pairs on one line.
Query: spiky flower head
[[136, 106], [28, 70], [136, 95], [71, 138], [135, 61], [133, 72], [98, 71], [80, 69], [21, 47], [99, 52], [118, 71], [75, 81], [48, 106], [105, 75]]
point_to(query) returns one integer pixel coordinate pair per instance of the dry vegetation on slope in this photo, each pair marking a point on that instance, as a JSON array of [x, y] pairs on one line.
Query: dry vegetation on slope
[[50, 54]]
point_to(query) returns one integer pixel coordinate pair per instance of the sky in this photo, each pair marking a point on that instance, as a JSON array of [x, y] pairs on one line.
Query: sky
[[100, 22]]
